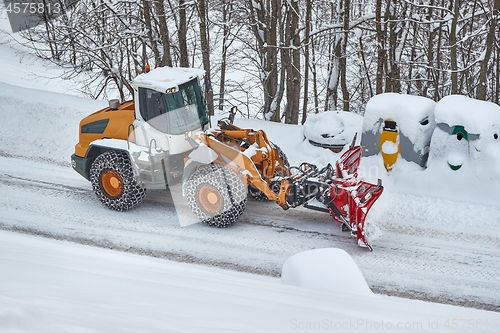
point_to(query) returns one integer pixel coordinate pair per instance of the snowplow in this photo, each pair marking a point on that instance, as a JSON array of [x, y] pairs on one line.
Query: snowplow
[[162, 137]]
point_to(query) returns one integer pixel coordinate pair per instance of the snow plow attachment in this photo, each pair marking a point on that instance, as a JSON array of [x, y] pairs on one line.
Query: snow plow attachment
[[351, 199], [347, 199]]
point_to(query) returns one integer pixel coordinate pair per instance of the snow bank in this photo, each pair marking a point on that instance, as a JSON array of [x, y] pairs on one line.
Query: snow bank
[[327, 270], [16, 317], [334, 128], [84, 289], [41, 125]]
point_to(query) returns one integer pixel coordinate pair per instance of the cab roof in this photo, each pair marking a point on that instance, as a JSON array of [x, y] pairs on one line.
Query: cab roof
[[163, 78]]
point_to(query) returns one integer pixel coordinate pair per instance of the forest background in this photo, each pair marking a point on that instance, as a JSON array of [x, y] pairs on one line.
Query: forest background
[[281, 60]]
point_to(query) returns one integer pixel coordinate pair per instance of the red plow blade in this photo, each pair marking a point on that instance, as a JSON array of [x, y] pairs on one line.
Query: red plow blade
[[350, 198]]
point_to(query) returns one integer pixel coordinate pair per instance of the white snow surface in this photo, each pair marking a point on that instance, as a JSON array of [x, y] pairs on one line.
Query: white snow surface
[[54, 286], [440, 242], [325, 269], [407, 111], [476, 116], [333, 128]]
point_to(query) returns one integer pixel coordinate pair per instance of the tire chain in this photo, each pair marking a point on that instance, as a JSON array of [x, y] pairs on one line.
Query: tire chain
[[230, 186], [118, 161]]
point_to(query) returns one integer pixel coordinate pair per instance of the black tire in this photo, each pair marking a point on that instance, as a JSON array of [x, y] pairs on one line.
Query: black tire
[[113, 181], [216, 195], [282, 155], [256, 194]]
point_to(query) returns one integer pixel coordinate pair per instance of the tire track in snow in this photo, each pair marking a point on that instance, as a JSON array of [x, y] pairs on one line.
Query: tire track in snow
[[404, 264]]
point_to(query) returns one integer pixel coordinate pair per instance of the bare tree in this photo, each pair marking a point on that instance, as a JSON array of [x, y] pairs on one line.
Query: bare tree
[[182, 35], [265, 17], [490, 41], [205, 53], [307, 47], [164, 35], [292, 49]]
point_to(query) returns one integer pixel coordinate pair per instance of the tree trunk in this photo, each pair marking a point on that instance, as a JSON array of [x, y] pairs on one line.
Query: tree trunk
[[264, 18], [182, 33], [343, 58], [490, 40], [205, 53], [226, 5], [453, 48], [381, 53], [307, 39], [315, 77], [166, 59], [333, 73], [293, 65], [152, 41], [497, 90]]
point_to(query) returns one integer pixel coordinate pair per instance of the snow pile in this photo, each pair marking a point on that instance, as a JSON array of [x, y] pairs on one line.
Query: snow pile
[[327, 270], [389, 147], [413, 115], [468, 136], [334, 128], [476, 116]]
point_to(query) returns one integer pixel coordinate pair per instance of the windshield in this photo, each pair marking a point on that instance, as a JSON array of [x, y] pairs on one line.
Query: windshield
[[174, 113]]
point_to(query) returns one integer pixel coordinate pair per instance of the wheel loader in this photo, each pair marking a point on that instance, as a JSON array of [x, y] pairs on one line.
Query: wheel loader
[[162, 137]]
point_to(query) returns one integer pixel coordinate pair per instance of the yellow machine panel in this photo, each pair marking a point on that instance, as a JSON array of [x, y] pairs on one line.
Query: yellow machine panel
[[106, 123]]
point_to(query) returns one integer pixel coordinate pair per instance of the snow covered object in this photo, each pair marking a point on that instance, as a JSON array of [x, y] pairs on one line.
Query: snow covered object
[[333, 129], [466, 136], [326, 270], [398, 125]]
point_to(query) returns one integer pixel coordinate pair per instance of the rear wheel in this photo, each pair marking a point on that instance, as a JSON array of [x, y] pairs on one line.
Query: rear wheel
[[113, 181], [216, 195]]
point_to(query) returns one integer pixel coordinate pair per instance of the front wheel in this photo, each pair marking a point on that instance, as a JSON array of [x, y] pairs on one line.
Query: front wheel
[[113, 181], [216, 195]]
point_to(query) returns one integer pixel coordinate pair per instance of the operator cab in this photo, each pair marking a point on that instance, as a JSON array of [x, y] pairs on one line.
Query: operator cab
[[169, 103], [177, 112]]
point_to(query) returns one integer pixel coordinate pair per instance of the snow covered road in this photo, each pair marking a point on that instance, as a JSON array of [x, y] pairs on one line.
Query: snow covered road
[[423, 262], [54, 286]]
